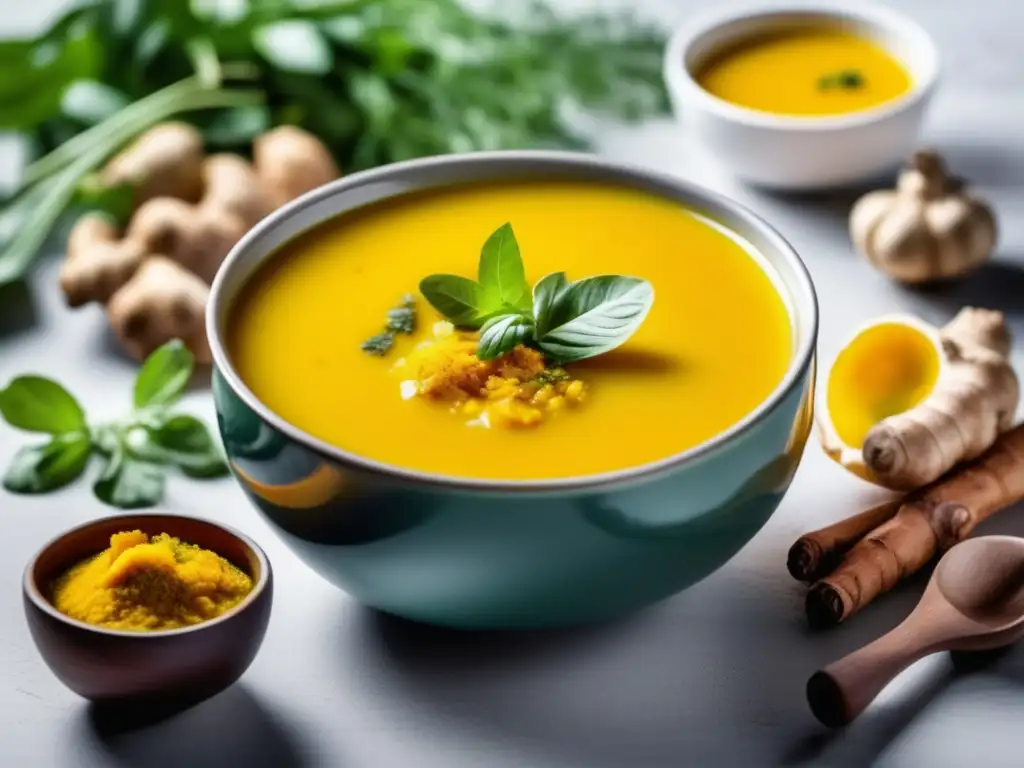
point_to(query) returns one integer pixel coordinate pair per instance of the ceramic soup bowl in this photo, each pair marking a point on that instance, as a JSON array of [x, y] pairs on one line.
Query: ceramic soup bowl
[[513, 554], [794, 152]]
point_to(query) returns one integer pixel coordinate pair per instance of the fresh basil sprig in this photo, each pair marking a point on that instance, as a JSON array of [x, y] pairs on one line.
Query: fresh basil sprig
[[567, 321], [137, 450]]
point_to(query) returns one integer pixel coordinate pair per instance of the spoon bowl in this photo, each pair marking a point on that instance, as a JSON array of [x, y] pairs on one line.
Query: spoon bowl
[[983, 579], [973, 602]]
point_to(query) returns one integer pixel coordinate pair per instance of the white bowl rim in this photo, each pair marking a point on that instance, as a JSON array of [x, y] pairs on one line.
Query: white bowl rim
[[678, 77], [801, 362]]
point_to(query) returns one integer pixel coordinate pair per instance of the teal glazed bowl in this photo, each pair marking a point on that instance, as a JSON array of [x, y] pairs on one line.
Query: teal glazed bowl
[[475, 553]]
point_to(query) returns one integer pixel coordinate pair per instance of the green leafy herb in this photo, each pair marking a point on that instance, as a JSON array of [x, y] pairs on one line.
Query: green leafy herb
[[503, 333], [567, 321], [137, 450], [846, 79], [377, 80], [593, 316], [461, 300], [37, 404], [47, 467], [545, 296], [163, 376], [501, 272], [550, 376], [400, 319], [127, 483], [380, 344]]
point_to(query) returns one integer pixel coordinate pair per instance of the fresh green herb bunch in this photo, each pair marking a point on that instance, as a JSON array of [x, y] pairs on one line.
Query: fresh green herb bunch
[[136, 450], [566, 321], [376, 80]]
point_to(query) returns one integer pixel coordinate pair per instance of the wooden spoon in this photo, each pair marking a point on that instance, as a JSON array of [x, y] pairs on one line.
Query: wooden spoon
[[974, 602]]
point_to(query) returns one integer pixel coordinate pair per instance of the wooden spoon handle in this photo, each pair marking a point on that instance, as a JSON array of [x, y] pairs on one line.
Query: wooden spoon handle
[[843, 689]]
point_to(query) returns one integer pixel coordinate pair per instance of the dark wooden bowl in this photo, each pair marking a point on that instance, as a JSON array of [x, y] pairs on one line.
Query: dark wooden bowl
[[167, 668]]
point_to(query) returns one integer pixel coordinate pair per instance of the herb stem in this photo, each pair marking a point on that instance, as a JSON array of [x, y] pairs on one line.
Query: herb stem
[[53, 161]]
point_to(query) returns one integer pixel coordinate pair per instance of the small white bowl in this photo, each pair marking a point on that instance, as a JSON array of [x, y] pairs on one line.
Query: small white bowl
[[795, 152]]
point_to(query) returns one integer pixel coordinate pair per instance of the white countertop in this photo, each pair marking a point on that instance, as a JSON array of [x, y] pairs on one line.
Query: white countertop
[[713, 677]]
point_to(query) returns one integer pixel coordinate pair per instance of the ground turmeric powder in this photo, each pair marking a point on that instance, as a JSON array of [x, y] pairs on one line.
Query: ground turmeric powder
[[513, 390], [157, 583]]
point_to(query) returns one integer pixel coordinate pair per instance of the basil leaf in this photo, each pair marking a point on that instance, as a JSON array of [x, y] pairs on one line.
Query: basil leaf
[[185, 442], [595, 315], [164, 375], [38, 404], [127, 483], [457, 298], [44, 468], [91, 102], [294, 46], [545, 294], [501, 272], [237, 125], [500, 334]]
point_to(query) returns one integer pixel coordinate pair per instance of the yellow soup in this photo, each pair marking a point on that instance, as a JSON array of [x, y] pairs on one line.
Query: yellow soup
[[717, 340], [805, 72]]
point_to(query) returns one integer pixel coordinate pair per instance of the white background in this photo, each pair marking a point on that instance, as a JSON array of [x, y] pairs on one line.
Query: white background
[[713, 677]]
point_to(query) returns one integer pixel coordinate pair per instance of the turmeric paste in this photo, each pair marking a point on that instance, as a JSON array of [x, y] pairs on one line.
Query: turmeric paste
[[516, 389], [157, 583]]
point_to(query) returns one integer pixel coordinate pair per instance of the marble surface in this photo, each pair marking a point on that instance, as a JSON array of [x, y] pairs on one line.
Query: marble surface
[[712, 677]]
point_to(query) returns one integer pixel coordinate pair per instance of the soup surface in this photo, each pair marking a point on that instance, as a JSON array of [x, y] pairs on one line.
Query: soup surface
[[805, 72], [715, 344]]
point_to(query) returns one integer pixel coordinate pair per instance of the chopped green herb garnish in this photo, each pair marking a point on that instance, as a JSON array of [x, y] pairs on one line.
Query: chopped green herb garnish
[[400, 319], [380, 344], [551, 376], [846, 79]]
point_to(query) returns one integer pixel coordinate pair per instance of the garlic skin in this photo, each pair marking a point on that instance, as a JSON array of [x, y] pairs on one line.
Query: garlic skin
[[928, 228]]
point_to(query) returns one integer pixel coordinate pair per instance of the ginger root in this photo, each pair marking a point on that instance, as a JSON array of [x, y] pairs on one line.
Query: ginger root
[[97, 263], [165, 161], [974, 400], [154, 277], [162, 301], [291, 162], [926, 523]]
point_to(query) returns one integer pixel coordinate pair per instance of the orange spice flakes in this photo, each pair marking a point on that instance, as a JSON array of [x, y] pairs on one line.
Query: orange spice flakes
[[514, 390]]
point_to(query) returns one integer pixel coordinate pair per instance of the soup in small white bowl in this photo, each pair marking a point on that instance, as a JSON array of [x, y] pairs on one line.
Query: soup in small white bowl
[[800, 96]]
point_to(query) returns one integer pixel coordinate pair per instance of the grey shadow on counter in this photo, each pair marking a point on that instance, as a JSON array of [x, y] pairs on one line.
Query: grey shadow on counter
[[232, 728], [997, 284], [663, 688]]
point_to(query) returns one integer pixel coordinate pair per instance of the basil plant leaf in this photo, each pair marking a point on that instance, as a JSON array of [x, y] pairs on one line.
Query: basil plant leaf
[[128, 483], [164, 375], [38, 404], [595, 315], [501, 272], [459, 299], [501, 334], [44, 468], [545, 294], [183, 441], [294, 45]]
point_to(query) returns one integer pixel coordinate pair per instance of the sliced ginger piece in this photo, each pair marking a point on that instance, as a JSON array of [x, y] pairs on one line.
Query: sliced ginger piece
[[906, 401]]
